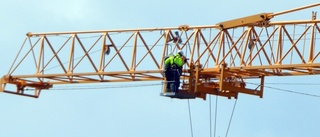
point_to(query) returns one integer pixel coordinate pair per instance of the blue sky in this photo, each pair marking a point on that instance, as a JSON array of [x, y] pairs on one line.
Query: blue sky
[[140, 111]]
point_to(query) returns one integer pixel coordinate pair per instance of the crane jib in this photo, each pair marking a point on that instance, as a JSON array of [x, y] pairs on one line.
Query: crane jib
[[221, 57]]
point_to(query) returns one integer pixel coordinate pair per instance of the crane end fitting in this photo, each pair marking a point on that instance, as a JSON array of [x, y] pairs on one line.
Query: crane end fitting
[[1, 85], [29, 34], [184, 27]]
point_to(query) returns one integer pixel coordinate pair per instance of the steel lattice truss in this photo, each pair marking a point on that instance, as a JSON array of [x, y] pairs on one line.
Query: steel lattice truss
[[220, 58]]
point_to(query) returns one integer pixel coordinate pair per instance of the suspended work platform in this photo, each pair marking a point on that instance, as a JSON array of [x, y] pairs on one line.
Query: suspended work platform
[[179, 95], [198, 82]]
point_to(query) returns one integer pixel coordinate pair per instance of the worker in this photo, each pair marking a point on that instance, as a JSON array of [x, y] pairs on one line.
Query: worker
[[178, 61], [176, 38], [168, 62]]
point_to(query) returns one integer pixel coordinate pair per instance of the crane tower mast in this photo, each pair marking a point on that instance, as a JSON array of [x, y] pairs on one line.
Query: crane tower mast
[[221, 56]]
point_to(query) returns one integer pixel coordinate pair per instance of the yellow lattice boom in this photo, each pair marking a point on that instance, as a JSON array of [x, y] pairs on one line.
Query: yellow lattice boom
[[221, 56]]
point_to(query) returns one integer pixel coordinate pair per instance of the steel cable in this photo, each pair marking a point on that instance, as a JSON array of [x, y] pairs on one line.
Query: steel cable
[[234, 107], [190, 118], [210, 116], [215, 117], [286, 90]]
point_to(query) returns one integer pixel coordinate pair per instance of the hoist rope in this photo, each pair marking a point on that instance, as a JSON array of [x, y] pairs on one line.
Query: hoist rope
[[215, 117], [156, 84], [234, 107], [104, 87], [190, 118], [297, 84], [286, 90], [210, 116]]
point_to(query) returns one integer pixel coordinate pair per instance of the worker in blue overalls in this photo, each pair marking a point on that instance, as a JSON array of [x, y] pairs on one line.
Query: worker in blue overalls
[[178, 61], [169, 73], [173, 70]]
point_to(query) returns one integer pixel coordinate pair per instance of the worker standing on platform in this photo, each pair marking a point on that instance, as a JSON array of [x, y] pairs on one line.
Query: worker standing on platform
[[178, 61], [168, 62]]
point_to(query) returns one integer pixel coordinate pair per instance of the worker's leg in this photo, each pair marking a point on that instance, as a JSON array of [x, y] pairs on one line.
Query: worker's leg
[[177, 84], [176, 80], [168, 80]]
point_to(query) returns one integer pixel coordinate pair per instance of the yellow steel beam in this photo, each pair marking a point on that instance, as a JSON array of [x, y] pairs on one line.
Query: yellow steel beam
[[253, 20], [296, 9]]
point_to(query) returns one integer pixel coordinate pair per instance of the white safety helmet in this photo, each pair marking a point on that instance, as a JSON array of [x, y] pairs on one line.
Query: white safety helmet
[[180, 52]]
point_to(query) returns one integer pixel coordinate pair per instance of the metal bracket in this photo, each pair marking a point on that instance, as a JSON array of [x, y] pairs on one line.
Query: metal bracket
[[249, 20], [1, 85]]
